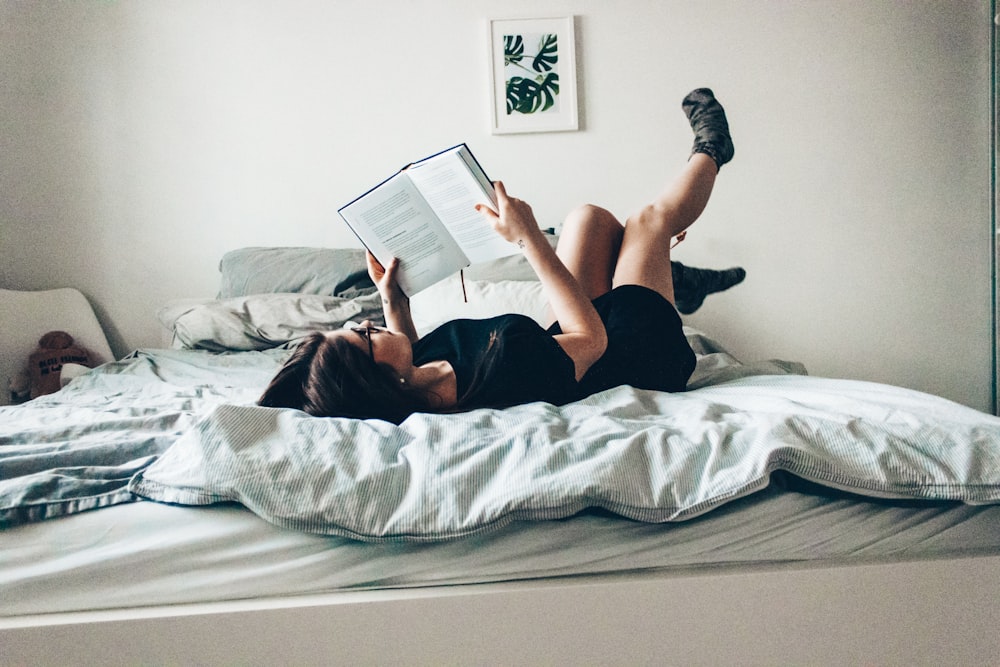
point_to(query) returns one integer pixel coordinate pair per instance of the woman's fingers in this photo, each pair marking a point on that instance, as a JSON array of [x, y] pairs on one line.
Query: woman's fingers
[[375, 269], [487, 212], [514, 220], [383, 276], [391, 270]]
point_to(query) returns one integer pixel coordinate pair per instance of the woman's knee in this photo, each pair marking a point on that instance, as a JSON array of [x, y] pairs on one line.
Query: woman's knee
[[589, 218], [651, 219]]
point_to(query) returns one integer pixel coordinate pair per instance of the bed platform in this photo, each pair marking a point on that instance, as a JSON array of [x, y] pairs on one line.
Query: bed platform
[[917, 613]]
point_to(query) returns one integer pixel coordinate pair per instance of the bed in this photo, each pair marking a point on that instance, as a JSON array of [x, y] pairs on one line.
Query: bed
[[151, 513]]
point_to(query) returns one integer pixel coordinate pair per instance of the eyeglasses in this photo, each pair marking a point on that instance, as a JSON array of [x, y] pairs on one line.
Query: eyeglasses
[[366, 333]]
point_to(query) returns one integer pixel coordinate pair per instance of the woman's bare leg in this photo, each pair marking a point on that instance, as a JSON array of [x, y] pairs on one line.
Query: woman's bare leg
[[644, 258], [589, 245]]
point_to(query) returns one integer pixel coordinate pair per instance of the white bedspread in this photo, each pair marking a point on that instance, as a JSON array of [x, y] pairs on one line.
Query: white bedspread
[[646, 455]]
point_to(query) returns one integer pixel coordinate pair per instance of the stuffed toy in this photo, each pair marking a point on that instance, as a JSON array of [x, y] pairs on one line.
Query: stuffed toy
[[45, 364]]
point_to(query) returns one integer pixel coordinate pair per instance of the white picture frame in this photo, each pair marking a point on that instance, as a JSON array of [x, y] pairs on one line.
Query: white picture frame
[[533, 75]]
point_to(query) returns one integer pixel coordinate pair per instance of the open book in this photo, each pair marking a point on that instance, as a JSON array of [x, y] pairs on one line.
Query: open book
[[425, 215]]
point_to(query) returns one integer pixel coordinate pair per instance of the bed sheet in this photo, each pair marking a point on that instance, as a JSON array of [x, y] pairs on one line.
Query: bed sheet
[[146, 554]]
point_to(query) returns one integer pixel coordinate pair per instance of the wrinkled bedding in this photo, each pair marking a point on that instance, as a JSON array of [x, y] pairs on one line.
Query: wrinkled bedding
[[180, 427], [77, 449], [648, 456]]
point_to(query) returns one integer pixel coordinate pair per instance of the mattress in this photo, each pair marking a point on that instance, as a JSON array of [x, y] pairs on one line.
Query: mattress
[[148, 554]]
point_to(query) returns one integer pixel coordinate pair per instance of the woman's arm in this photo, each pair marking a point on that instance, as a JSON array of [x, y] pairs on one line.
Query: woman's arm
[[583, 338], [395, 304]]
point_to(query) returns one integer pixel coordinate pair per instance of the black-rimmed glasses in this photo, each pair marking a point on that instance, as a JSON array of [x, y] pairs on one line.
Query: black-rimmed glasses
[[366, 333]]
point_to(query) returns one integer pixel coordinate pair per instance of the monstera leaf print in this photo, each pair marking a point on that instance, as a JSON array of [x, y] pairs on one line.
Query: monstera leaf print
[[539, 90], [532, 95], [548, 54], [513, 49]]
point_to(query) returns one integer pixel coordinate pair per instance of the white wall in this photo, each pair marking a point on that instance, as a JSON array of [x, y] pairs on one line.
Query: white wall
[[141, 140]]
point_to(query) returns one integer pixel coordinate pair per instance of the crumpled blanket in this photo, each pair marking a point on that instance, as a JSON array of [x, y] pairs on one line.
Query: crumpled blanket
[[645, 455]]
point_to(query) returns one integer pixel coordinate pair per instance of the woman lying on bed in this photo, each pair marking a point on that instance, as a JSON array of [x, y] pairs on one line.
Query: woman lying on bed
[[609, 286]]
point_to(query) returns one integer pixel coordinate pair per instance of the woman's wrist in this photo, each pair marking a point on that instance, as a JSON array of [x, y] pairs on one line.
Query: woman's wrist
[[532, 240], [396, 302]]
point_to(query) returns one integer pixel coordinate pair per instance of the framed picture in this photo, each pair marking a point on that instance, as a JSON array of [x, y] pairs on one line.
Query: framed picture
[[533, 75]]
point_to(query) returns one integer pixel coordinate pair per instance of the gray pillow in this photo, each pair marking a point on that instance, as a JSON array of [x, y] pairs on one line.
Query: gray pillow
[[262, 321], [331, 271], [325, 271]]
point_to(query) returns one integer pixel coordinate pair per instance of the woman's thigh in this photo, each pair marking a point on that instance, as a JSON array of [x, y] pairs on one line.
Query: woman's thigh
[[645, 252], [644, 257], [589, 245]]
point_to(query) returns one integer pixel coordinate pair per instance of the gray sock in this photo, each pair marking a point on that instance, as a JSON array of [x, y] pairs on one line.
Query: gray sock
[[711, 129], [692, 284]]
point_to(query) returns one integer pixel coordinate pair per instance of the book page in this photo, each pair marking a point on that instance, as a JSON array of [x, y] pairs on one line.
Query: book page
[[452, 191], [394, 220]]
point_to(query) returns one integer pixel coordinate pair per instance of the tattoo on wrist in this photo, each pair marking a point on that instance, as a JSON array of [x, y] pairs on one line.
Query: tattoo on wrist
[[520, 244]]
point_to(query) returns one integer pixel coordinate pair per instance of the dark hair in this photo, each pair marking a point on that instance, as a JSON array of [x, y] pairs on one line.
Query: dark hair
[[330, 377]]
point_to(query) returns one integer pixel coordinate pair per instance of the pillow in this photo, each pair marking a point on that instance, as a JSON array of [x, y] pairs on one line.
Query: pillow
[[443, 301], [262, 321], [331, 271], [326, 271], [236, 322]]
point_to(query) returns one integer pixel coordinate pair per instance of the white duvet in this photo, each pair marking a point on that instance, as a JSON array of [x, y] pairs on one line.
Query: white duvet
[[645, 455]]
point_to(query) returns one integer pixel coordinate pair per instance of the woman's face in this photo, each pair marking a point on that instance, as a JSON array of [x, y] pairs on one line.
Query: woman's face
[[384, 346]]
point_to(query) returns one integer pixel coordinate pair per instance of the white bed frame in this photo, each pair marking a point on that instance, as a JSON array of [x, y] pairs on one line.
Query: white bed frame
[[918, 612]]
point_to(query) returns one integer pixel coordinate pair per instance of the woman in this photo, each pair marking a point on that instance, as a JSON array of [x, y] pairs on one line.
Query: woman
[[609, 286]]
